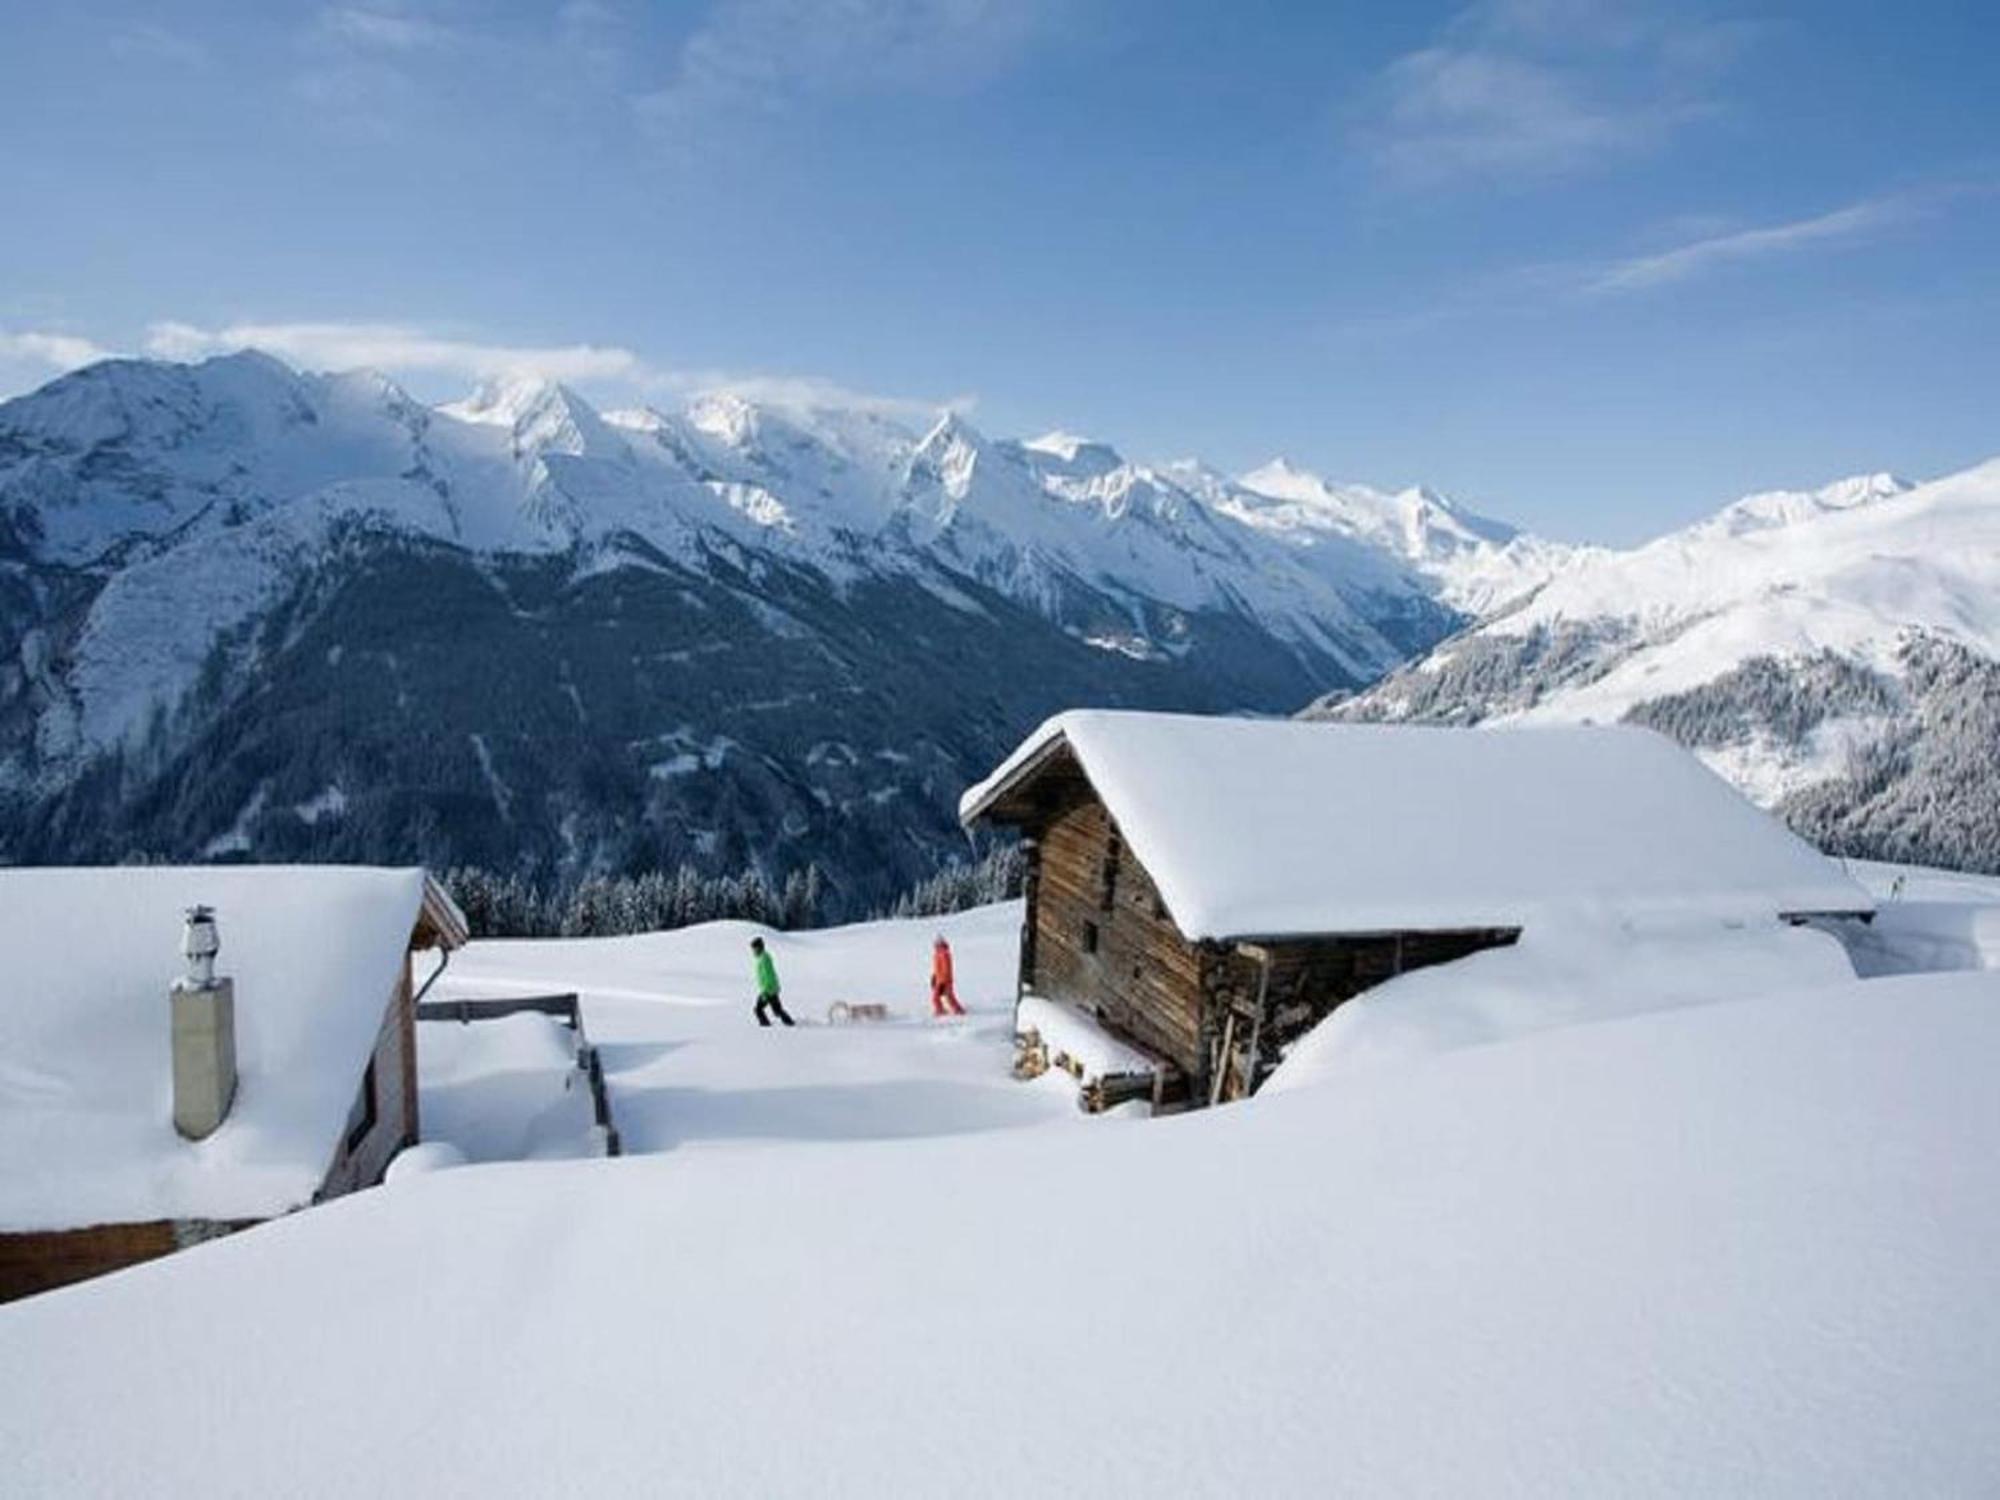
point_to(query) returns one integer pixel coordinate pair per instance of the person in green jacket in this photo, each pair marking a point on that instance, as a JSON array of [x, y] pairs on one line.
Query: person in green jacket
[[767, 985]]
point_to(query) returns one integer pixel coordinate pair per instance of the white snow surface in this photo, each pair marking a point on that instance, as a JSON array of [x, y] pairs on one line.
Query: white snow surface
[[1067, 1032], [1566, 974], [1476, 564], [688, 1069], [1926, 920], [1272, 828], [1848, 569], [1737, 1249], [503, 1089], [86, 1098]]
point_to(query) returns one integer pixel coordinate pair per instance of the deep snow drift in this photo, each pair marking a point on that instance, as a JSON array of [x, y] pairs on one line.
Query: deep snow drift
[[1731, 1248], [1740, 1249]]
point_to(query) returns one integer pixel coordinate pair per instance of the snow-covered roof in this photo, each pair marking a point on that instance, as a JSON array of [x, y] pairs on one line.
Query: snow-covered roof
[[1280, 828], [86, 1113]]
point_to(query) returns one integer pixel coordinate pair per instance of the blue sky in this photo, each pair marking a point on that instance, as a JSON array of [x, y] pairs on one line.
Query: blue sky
[[1594, 265]]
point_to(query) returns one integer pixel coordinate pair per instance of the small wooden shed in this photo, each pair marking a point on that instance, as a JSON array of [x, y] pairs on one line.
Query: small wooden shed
[[93, 1175], [1208, 889]]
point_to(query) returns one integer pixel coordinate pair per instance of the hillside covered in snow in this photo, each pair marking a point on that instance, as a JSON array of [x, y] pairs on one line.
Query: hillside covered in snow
[[245, 610], [1835, 653]]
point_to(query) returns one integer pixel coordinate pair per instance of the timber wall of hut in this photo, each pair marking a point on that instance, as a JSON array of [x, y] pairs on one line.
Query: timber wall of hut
[[1309, 980], [1103, 941], [1098, 936], [383, 1117], [41, 1260]]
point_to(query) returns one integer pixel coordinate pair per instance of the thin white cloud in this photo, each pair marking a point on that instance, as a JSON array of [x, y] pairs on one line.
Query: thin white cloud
[[365, 66], [151, 42], [401, 349], [806, 392], [1541, 88], [383, 28], [391, 346], [758, 57], [53, 351], [1698, 257]]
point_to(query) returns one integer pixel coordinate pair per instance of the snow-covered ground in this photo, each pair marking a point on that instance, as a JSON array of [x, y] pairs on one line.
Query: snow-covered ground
[[687, 1066], [1727, 1248], [1927, 920]]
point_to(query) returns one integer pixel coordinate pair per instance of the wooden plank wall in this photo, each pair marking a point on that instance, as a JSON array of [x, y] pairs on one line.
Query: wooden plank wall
[[1148, 983], [41, 1260], [395, 1064], [1143, 980], [1310, 979]]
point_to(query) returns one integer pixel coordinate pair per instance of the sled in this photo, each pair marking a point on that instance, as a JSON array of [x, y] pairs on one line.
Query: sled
[[844, 1012]]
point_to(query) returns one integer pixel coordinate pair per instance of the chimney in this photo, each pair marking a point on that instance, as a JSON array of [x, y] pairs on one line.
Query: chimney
[[204, 1032]]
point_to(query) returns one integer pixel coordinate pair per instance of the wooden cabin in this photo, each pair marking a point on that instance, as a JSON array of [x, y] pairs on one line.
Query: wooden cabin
[[94, 1175], [1209, 889]]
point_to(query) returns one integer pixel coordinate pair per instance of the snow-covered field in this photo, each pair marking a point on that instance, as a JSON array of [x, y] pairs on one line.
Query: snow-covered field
[[1741, 1247], [687, 1066]]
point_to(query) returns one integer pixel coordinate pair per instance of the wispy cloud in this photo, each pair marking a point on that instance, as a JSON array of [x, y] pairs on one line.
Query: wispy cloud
[[1698, 257], [402, 349], [1542, 88], [52, 351], [1705, 245], [395, 347], [364, 64], [149, 41], [761, 57], [806, 392], [29, 357], [383, 28]]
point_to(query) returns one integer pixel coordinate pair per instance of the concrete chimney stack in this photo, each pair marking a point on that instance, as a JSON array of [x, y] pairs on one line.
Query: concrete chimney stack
[[204, 1031]]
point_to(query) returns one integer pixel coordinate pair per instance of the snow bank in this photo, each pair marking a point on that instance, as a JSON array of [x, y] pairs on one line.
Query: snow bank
[[86, 1112], [1262, 828], [1928, 920], [506, 1089], [1067, 1032], [422, 1158], [1561, 975], [1732, 1250]]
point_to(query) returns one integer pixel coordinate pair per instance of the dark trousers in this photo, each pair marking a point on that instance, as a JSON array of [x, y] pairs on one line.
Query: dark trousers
[[776, 1005]]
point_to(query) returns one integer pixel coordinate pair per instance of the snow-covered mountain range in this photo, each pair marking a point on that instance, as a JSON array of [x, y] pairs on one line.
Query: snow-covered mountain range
[[1831, 651], [245, 609], [250, 611]]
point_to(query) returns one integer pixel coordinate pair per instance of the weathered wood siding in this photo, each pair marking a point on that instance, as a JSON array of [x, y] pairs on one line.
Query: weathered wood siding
[[1137, 974], [41, 1260], [1310, 979], [367, 1146]]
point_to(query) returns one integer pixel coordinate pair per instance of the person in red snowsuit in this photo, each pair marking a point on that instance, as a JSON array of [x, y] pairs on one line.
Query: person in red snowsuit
[[944, 998]]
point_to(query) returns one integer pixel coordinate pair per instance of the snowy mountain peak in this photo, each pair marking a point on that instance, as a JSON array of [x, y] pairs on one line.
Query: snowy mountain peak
[[1071, 456], [1773, 508], [1067, 446], [543, 416], [1789, 638], [1284, 480], [946, 459], [1473, 562], [728, 418]]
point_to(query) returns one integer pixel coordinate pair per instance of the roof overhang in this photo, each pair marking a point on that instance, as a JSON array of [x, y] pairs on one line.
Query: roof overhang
[[440, 924], [999, 797]]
